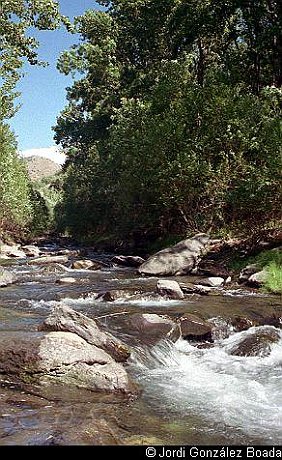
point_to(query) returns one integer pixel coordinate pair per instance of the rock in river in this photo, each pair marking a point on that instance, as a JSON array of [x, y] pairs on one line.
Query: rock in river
[[176, 260], [212, 281], [86, 265], [256, 341], [170, 288], [59, 357], [194, 328], [63, 318], [128, 261], [150, 328], [6, 278]]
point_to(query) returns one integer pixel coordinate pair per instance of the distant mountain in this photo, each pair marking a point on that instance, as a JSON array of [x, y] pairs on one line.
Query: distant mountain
[[39, 167]]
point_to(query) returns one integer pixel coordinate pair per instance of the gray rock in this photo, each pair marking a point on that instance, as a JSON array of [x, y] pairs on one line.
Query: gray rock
[[176, 260], [213, 281], [45, 260], [59, 357], [194, 328], [170, 289], [189, 288], [246, 272], [6, 278], [257, 279], [63, 318], [151, 328], [128, 261], [256, 342], [86, 265]]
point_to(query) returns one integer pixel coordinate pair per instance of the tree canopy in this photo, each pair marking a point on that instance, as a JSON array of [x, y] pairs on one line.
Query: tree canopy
[[173, 122]]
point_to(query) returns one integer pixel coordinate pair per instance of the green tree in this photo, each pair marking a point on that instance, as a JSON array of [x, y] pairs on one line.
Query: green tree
[[17, 20], [175, 122]]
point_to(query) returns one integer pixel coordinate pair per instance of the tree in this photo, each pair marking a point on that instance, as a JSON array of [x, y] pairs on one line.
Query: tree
[[174, 124], [17, 19]]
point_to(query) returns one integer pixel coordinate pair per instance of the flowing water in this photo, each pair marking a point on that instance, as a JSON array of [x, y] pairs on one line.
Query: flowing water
[[189, 395]]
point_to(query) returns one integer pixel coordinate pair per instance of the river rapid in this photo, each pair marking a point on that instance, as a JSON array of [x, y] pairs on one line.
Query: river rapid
[[188, 395]]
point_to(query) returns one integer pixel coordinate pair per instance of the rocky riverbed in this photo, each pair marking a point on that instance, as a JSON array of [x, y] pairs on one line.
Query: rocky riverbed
[[94, 352]]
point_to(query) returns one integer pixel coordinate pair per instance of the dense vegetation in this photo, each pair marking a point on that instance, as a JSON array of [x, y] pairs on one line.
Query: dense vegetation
[[21, 207], [174, 119]]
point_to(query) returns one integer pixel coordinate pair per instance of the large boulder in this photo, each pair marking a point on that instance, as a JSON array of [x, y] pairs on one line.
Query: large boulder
[[128, 261], [194, 328], [59, 357], [176, 260], [257, 341], [170, 289], [63, 318], [6, 278]]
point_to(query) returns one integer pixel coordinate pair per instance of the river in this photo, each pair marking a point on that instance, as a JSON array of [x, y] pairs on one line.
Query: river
[[189, 395]]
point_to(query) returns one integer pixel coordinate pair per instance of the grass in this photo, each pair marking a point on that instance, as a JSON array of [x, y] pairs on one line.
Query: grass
[[273, 282]]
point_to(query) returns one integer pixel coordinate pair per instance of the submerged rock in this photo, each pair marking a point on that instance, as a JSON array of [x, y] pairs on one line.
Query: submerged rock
[[128, 261], [176, 260], [194, 328], [256, 342], [63, 318], [59, 357], [6, 278], [170, 289]]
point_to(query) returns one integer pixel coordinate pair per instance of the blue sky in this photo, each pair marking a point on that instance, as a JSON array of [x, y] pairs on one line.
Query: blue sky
[[43, 89]]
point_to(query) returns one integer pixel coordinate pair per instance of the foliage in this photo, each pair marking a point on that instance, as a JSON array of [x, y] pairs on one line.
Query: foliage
[[15, 206], [174, 122], [20, 205]]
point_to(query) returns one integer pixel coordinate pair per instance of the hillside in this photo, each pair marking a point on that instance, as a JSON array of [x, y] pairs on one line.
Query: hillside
[[39, 167]]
